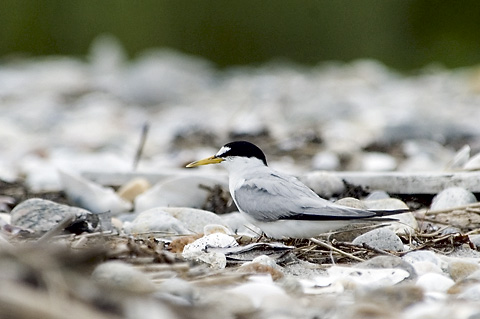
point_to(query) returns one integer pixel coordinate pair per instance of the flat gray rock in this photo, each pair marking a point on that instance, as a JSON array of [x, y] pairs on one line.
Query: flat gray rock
[[41, 215]]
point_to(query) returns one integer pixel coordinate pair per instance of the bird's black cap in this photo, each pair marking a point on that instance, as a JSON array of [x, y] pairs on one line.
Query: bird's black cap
[[243, 149]]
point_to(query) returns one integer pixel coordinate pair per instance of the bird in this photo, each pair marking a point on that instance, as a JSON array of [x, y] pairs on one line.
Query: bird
[[279, 204]]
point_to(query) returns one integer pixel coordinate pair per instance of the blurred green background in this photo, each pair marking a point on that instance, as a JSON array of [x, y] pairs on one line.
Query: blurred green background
[[404, 34]]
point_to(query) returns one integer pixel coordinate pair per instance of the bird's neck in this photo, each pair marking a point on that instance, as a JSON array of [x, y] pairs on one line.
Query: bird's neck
[[242, 166]]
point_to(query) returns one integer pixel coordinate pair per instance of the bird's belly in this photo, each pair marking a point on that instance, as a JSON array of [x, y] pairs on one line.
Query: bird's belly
[[299, 228], [290, 228]]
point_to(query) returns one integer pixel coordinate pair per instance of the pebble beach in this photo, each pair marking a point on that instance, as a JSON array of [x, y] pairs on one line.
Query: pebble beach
[[99, 216]]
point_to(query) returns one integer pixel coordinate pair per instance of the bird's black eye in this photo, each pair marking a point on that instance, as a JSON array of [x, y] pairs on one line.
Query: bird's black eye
[[242, 149]]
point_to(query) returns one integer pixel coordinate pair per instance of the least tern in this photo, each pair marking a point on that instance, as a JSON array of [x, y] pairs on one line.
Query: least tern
[[279, 204]]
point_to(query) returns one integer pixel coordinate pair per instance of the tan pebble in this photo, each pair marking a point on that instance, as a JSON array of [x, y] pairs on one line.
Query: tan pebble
[[351, 202], [177, 245], [393, 297], [369, 310], [130, 190], [212, 229], [460, 269], [261, 269], [117, 223]]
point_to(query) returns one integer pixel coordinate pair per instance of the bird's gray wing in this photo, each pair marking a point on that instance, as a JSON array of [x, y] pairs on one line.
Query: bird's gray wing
[[274, 197]]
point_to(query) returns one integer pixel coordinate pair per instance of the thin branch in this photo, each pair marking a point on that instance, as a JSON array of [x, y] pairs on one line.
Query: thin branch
[[325, 245], [141, 144], [449, 210], [68, 220]]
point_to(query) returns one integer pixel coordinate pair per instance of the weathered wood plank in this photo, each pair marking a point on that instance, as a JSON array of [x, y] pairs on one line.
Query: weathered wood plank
[[412, 182], [391, 182]]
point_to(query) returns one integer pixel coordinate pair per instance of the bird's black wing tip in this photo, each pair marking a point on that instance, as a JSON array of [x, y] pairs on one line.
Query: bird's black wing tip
[[380, 213]]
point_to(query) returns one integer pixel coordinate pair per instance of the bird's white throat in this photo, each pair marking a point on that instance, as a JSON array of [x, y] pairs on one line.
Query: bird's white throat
[[236, 165]]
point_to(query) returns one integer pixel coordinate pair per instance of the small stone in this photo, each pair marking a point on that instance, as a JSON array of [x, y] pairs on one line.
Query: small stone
[[184, 191], [258, 268], [5, 218], [178, 244], [375, 195], [460, 158], [425, 267], [216, 240], [325, 161], [351, 202], [259, 292], [354, 277], [117, 224], [422, 256], [471, 293], [475, 239], [459, 269], [405, 223], [473, 163], [262, 265], [198, 250], [378, 162], [398, 297], [157, 220], [213, 228], [92, 196], [385, 204], [380, 238], [123, 276], [41, 215], [452, 197], [433, 282], [133, 188], [194, 219], [389, 262], [177, 291], [323, 183]]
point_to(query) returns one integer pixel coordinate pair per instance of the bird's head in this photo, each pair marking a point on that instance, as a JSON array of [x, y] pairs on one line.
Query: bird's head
[[235, 153]]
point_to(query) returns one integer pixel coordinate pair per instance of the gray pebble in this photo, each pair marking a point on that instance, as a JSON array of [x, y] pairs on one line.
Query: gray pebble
[[475, 239], [420, 256], [194, 219], [375, 195], [157, 220], [380, 238], [123, 276], [41, 215], [177, 291], [452, 197], [389, 262]]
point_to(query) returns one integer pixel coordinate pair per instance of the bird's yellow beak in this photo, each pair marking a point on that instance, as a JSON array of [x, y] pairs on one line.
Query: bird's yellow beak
[[206, 161]]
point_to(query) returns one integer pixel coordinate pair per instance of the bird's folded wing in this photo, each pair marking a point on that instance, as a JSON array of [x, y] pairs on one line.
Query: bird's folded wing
[[273, 199]]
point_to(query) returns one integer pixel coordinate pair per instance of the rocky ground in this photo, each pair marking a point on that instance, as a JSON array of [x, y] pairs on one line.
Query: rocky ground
[[100, 219]]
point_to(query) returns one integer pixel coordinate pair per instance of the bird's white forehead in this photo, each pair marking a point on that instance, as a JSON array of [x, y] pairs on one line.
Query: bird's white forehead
[[223, 150]]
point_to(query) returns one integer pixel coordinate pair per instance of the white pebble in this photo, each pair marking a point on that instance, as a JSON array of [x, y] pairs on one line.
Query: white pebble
[[120, 275], [433, 282], [452, 197]]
